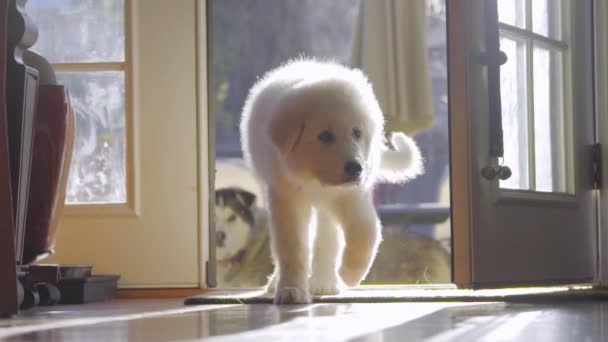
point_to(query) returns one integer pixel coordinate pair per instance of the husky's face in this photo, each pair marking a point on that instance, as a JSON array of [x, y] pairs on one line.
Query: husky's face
[[233, 221], [326, 137]]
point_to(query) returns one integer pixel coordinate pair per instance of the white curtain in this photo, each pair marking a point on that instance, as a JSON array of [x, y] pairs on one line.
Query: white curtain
[[390, 47]]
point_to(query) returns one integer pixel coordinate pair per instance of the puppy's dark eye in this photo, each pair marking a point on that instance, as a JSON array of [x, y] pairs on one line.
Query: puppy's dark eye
[[326, 137], [231, 218], [357, 133]]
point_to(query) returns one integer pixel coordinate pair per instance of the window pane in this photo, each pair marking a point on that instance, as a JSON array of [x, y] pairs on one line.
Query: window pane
[[512, 12], [79, 30], [546, 18], [548, 121], [98, 173], [514, 113]]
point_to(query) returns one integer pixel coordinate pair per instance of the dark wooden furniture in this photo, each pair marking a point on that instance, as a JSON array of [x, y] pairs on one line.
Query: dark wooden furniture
[[22, 91], [9, 303], [18, 91]]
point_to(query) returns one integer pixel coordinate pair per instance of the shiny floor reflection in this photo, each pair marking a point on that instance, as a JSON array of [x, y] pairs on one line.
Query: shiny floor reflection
[[151, 321]]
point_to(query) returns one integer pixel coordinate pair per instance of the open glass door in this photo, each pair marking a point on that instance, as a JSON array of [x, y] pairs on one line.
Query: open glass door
[[524, 208]]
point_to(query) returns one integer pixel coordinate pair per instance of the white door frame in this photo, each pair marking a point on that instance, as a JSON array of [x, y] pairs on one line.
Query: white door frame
[[205, 147]]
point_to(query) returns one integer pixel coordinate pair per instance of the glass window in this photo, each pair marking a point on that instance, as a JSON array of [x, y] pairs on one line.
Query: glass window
[[515, 112], [512, 12], [533, 98], [85, 41]]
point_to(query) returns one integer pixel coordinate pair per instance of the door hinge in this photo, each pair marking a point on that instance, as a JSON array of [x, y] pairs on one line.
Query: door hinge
[[596, 165]]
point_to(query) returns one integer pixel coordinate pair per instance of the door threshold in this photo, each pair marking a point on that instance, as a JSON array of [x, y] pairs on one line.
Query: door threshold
[[410, 293]]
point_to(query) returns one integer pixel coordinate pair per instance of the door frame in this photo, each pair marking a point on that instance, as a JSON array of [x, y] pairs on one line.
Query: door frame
[[601, 110], [460, 40], [205, 148]]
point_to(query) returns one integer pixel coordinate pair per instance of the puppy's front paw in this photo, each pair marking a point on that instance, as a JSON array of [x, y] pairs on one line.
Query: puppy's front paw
[[291, 295], [325, 285], [352, 277]]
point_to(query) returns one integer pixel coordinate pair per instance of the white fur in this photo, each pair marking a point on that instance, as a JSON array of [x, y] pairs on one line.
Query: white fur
[[284, 115], [237, 232], [403, 163]]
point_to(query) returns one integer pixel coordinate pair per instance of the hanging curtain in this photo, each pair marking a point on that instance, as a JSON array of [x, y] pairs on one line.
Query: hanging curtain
[[390, 47]]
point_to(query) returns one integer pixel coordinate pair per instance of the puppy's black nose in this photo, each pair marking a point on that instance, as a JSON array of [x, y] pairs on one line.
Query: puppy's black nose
[[353, 169], [220, 237]]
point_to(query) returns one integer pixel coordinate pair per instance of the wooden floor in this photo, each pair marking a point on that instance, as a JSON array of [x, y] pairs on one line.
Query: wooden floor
[[169, 320]]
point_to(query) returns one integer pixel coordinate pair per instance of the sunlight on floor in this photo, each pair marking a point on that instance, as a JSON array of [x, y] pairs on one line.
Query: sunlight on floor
[[341, 322], [387, 293]]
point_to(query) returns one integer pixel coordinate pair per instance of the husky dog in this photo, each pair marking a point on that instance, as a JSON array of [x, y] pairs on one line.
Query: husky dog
[[241, 240], [313, 133]]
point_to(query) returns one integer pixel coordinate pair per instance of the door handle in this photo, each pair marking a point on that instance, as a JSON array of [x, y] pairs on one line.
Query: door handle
[[493, 58], [503, 172]]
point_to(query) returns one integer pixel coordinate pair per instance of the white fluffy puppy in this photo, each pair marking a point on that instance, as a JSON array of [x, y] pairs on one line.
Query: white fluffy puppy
[[313, 132]]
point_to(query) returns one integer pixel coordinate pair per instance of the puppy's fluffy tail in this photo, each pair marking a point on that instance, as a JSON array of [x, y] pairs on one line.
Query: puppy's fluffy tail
[[403, 163]]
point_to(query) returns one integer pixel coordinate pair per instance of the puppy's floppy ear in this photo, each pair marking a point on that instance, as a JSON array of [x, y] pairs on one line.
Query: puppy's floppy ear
[[286, 133], [245, 197]]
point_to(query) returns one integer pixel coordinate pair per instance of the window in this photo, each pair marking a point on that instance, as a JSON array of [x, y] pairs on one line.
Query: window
[[534, 82], [84, 40]]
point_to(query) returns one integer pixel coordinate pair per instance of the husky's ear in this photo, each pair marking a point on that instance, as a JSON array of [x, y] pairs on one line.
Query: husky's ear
[[245, 197], [219, 196], [286, 133]]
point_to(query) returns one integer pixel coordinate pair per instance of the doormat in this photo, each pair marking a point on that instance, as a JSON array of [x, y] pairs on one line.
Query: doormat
[[394, 294]]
